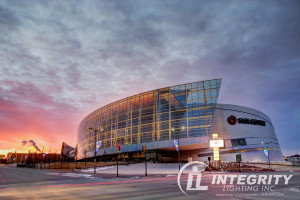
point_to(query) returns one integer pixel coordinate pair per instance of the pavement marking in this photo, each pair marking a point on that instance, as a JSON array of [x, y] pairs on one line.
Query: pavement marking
[[135, 177], [295, 189]]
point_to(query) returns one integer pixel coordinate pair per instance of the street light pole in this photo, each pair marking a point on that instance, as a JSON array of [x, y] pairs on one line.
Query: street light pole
[[95, 131], [267, 143], [177, 148]]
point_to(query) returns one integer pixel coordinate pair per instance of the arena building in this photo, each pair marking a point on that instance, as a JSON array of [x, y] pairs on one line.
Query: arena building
[[177, 122]]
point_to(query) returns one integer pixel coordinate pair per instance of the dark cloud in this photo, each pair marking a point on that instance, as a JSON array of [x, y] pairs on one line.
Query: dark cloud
[[79, 56], [8, 20]]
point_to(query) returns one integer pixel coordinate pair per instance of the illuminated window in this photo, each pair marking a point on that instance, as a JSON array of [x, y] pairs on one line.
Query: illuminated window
[[180, 111]]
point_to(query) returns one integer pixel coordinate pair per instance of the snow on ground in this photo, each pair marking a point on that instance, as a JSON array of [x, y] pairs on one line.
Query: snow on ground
[[71, 175], [133, 169], [91, 169]]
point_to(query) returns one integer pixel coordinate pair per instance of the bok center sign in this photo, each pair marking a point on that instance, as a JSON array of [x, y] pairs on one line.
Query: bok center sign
[[216, 143], [232, 120]]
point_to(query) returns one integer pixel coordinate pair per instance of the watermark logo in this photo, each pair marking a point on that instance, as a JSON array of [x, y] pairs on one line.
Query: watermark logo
[[195, 170], [229, 183]]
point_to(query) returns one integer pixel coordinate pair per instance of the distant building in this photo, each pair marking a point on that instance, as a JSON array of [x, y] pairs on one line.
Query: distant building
[[185, 115], [2, 158], [67, 151]]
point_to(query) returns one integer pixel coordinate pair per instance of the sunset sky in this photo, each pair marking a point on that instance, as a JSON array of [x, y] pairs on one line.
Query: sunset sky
[[61, 60]]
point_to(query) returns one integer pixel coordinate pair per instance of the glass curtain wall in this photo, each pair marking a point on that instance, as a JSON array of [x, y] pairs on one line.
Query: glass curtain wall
[[180, 111]]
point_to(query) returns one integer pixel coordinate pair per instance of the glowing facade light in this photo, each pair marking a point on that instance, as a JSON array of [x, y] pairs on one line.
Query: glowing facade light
[[216, 143], [266, 152], [98, 145], [176, 145], [216, 153]]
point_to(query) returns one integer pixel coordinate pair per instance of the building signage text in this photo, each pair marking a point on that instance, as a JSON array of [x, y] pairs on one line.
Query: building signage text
[[232, 120]]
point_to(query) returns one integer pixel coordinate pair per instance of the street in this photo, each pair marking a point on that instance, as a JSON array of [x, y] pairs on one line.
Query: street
[[24, 183]]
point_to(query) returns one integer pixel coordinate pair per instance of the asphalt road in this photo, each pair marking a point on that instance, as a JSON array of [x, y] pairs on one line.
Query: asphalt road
[[24, 183]]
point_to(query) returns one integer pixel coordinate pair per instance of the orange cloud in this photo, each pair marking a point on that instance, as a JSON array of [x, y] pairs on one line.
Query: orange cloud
[[36, 116]]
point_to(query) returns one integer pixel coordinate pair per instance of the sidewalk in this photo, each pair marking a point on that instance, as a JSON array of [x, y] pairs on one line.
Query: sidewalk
[[138, 169], [153, 169]]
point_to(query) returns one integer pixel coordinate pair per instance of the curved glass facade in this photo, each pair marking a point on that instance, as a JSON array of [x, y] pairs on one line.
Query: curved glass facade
[[181, 111]]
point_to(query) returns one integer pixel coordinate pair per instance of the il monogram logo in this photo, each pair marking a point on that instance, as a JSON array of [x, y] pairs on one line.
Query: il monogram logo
[[197, 186], [197, 168]]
